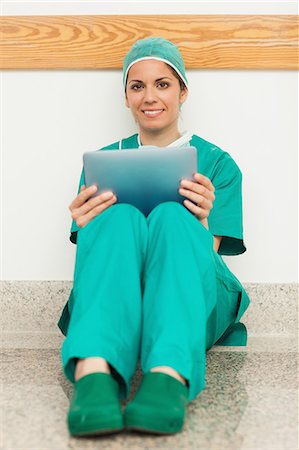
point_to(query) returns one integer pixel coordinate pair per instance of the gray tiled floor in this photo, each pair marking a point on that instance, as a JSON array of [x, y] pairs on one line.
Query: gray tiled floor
[[250, 400]]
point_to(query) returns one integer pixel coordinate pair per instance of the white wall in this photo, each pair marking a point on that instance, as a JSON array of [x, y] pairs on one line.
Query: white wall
[[50, 117]]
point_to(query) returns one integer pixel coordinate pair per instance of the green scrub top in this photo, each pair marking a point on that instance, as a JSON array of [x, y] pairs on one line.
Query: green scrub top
[[226, 216]]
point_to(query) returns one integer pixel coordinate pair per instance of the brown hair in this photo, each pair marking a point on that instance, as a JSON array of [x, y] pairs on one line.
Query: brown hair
[[182, 84]]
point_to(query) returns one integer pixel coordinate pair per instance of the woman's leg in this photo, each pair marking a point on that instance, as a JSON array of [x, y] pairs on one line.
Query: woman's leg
[[91, 364], [107, 308], [179, 294]]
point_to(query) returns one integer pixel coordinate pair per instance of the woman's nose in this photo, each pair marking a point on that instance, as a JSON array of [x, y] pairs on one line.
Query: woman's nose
[[149, 95]]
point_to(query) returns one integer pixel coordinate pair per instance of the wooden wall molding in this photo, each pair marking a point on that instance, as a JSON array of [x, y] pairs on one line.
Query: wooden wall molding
[[101, 41]]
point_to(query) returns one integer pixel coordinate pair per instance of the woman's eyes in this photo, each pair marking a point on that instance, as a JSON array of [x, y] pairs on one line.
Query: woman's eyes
[[164, 82], [137, 86]]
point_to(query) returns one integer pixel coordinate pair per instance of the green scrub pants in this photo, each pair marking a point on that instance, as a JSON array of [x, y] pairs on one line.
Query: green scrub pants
[[146, 287]]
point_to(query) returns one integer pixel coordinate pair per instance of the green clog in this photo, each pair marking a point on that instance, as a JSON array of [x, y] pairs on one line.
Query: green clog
[[95, 407], [159, 405]]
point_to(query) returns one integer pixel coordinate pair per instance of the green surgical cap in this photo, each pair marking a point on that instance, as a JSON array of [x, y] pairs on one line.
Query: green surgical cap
[[155, 48]]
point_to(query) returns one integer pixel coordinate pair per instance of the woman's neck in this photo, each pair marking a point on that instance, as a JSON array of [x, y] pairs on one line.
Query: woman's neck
[[158, 139]]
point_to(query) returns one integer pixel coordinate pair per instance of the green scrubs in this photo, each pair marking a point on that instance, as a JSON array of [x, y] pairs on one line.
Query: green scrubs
[[153, 288]]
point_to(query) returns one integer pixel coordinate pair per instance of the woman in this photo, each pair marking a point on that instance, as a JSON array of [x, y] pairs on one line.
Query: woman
[[152, 287]]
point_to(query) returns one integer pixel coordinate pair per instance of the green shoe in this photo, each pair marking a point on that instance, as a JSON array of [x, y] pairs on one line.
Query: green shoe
[[159, 405], [95, 407]]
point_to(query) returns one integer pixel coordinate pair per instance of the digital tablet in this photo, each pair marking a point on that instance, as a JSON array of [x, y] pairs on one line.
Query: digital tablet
[[143, 177]]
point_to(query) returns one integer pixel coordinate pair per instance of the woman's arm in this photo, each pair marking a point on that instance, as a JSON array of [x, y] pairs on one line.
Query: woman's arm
[[217, 239], [192, 190]]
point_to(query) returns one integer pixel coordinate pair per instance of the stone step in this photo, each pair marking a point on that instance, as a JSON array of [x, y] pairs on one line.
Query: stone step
[[249, 402], [241, 406], [35, 307]]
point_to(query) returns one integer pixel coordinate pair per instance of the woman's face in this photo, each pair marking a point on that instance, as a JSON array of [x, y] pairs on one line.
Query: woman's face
[[154, 95]]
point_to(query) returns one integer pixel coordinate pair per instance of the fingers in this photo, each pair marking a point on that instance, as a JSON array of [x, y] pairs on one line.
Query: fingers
[[205, 190], [84, 208], [202, 185], [196, 210], [95, 211], [83, 196], [196, 198], [92, 203], [200, 178], [201, 192]]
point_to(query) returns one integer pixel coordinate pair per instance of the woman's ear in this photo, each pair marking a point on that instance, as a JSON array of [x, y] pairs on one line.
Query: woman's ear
[[183, 95], [126, 101]]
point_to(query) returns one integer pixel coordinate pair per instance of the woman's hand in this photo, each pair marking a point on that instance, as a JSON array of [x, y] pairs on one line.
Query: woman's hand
[[84, 210], [201, 191]]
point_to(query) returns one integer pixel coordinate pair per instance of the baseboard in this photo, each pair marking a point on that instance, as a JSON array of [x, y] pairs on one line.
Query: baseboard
[[35, 306]]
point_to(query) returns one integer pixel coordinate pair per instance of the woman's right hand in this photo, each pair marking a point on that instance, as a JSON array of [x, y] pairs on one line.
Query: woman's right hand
[[84, 210]]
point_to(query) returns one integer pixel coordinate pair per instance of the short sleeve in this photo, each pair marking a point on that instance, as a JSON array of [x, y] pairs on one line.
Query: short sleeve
[[226, 216]]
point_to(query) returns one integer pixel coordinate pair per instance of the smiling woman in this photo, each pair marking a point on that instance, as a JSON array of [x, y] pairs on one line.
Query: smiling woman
[[152, 287], [155, 101]]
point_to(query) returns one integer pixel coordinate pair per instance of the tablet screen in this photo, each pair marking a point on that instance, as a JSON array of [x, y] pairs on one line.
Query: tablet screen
[[143, 177]]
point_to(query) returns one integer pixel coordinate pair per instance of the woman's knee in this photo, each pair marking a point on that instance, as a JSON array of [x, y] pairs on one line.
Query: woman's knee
[[114, 220], [167, 210], [173, 216], [172, 213], [126, 209]]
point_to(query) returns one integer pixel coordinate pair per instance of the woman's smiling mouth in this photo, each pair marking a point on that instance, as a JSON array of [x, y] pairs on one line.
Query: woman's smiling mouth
[[152, 112]]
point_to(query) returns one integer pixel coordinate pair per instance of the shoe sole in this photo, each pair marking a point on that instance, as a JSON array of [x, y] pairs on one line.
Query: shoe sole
[[97, 432], [152, 427], [150, 430], [96, 429]]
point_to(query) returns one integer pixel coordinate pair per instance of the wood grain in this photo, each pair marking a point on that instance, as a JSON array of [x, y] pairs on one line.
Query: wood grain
[[102, 41]]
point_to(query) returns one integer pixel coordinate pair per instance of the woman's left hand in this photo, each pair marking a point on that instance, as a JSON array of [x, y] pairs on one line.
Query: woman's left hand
[[201, 192]]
